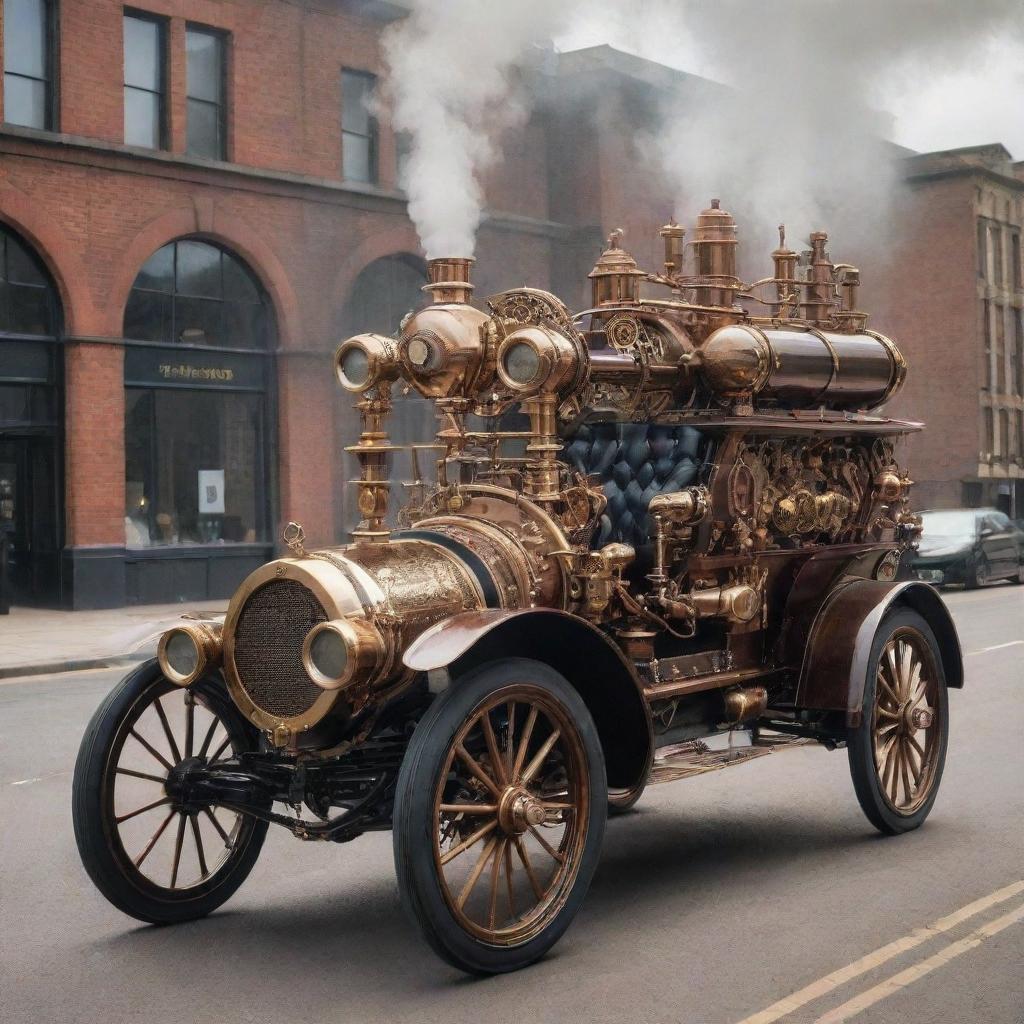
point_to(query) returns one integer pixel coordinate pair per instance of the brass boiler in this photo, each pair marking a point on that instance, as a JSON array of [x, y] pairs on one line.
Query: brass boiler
[[373, 599], [801, 366]]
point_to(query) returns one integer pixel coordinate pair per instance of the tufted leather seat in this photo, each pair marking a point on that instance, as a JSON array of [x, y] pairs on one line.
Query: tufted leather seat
[[634, 462]]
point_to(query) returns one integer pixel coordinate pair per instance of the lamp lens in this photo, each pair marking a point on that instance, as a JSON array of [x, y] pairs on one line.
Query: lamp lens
[[522, 363], [422, 353], [329, 654], [355, 367], [181, 653]]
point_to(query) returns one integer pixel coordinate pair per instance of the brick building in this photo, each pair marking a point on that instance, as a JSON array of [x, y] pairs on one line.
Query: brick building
[[195, 204]]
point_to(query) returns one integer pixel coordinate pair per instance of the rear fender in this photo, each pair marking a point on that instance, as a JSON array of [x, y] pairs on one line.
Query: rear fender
[[573, 647], [835, 662]]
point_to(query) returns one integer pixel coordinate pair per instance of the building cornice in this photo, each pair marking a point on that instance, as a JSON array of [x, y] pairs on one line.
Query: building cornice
[[120, 159]]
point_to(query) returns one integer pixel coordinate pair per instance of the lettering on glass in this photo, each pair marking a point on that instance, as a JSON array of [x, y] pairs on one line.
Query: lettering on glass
[[183, 371]]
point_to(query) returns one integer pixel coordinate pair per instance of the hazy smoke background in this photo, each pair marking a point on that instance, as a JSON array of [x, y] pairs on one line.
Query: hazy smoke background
[[453, 86], [797, 135]]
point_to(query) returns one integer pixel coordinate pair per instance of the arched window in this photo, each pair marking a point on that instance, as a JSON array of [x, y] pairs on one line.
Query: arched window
[[195, 293], [197, 420], [383, 293], [31, 514], [28, 299]]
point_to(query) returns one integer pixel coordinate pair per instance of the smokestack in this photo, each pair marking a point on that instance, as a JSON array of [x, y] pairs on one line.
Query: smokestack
[[449, 280]]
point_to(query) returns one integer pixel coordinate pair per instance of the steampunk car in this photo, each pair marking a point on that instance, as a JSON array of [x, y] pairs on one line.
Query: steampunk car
[[693, 553]]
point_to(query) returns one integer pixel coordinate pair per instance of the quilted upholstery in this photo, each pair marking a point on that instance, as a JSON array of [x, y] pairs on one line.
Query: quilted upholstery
[[634, 462]]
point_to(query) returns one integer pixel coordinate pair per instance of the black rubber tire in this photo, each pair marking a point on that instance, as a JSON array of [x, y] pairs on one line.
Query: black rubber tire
[[978, 576], [418, 883], [1019, 578], [860, 742], [101, 851]]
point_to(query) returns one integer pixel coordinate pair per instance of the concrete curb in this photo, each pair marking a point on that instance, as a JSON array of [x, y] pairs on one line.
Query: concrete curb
[[45, 668]]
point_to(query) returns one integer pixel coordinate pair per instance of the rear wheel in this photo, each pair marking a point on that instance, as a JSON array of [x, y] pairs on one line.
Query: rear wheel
[[898, 751], [154, 856], [499, 816]]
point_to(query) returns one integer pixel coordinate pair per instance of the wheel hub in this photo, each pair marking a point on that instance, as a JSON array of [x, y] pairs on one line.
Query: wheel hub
[[177, 785], [518, 811]]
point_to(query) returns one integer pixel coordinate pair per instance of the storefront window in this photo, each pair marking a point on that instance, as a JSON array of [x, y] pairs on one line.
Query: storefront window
[[194, 465], [196, 420]]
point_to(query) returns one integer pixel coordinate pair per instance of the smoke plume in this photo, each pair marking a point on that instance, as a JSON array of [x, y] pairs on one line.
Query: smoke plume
[[796, 132], [799, 133], [452, 86]]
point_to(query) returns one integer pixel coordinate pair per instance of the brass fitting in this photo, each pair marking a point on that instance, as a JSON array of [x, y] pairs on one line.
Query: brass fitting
[[187, 652]]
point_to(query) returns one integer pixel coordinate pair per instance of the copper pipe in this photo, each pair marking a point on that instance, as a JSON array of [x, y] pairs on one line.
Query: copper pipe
[[449, 280]]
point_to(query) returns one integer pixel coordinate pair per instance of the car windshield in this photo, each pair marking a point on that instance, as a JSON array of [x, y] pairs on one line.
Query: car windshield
[[956, 523]]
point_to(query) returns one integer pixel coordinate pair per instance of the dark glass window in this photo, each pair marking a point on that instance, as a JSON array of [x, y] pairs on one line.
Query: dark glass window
[[195, 467], [1017, 281], [997, 254], [358, 127], [27, 301], [403, 150], [145, 81], [205, 85], [196, 293], [28, 63]]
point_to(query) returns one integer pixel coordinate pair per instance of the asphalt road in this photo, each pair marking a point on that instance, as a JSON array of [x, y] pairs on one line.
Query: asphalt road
[[717, 898]]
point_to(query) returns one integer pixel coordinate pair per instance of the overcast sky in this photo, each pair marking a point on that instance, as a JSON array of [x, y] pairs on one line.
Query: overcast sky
[[940, 107]]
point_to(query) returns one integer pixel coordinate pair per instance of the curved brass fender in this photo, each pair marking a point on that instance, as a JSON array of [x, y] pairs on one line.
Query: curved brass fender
[[835, 663], [570, 645]]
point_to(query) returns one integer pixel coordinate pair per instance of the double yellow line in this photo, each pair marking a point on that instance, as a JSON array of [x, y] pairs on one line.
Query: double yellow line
[[898, 947]]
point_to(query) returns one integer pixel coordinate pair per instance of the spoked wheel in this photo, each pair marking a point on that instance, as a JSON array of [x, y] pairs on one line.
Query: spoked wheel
[[499, 816], [898, 751], [152, 851]]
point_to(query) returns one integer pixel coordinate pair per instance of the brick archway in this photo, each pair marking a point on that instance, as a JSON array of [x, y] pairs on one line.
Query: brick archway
[[50, 244], [212, 223], [401, 240]]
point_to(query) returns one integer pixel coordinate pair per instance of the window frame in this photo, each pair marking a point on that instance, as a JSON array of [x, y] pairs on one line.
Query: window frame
[[51, 62], [269, 326], [373, 137], [162, 24], [223, 38]]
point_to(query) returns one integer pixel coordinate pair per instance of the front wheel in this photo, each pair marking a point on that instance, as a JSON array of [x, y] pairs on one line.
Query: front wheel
[[154, 855], [898, 751], [499, 816]]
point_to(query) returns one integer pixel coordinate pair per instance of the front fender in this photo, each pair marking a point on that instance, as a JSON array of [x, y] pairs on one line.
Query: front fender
[[835, 663], [571, 646]]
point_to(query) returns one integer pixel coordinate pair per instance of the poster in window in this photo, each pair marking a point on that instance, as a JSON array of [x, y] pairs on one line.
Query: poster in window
[[211, 492]]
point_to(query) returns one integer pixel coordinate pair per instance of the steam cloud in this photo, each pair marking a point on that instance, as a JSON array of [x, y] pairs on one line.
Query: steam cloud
[[452, 86], [800, 133], [796, 133]]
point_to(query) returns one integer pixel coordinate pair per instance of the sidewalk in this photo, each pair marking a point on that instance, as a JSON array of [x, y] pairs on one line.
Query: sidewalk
[[36, 641]]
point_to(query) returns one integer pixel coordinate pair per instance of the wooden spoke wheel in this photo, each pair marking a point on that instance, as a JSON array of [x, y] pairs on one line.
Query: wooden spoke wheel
[[897, 752], [499, 816], [151, 849]]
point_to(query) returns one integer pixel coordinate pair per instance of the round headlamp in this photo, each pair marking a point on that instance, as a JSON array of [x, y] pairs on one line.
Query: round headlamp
[[536, 359], [425, 352], [341, 652], [364, 361], [187, 652]]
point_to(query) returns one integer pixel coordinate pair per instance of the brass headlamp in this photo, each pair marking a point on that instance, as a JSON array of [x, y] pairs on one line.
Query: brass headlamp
[[187, 652], [337, 653], [536, 358], [363, 361]]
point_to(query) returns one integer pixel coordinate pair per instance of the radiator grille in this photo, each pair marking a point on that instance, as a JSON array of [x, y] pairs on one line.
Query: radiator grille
[[268, 647]]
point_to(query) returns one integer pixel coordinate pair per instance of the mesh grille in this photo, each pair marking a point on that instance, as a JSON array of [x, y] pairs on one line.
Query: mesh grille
[[268, 647]]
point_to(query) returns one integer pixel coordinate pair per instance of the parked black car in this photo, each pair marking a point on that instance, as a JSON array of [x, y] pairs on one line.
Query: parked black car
[[970, 546]]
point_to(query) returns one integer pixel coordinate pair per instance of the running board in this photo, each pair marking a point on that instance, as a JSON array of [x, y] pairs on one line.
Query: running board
[[695, 757]]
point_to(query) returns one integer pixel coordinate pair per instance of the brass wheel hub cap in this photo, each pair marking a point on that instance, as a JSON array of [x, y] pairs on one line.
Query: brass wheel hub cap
[[518, 810]]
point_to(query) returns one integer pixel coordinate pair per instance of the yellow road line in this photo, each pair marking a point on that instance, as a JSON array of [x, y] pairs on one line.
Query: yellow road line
[[882, 955], [899, 981]]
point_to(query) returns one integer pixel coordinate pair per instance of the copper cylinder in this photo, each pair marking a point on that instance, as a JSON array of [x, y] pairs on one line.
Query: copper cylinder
[[818, 303], [802, 367], [785, 262], [449, 279], [615, 279], [672, 235], [714, 250], [745, 703]]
